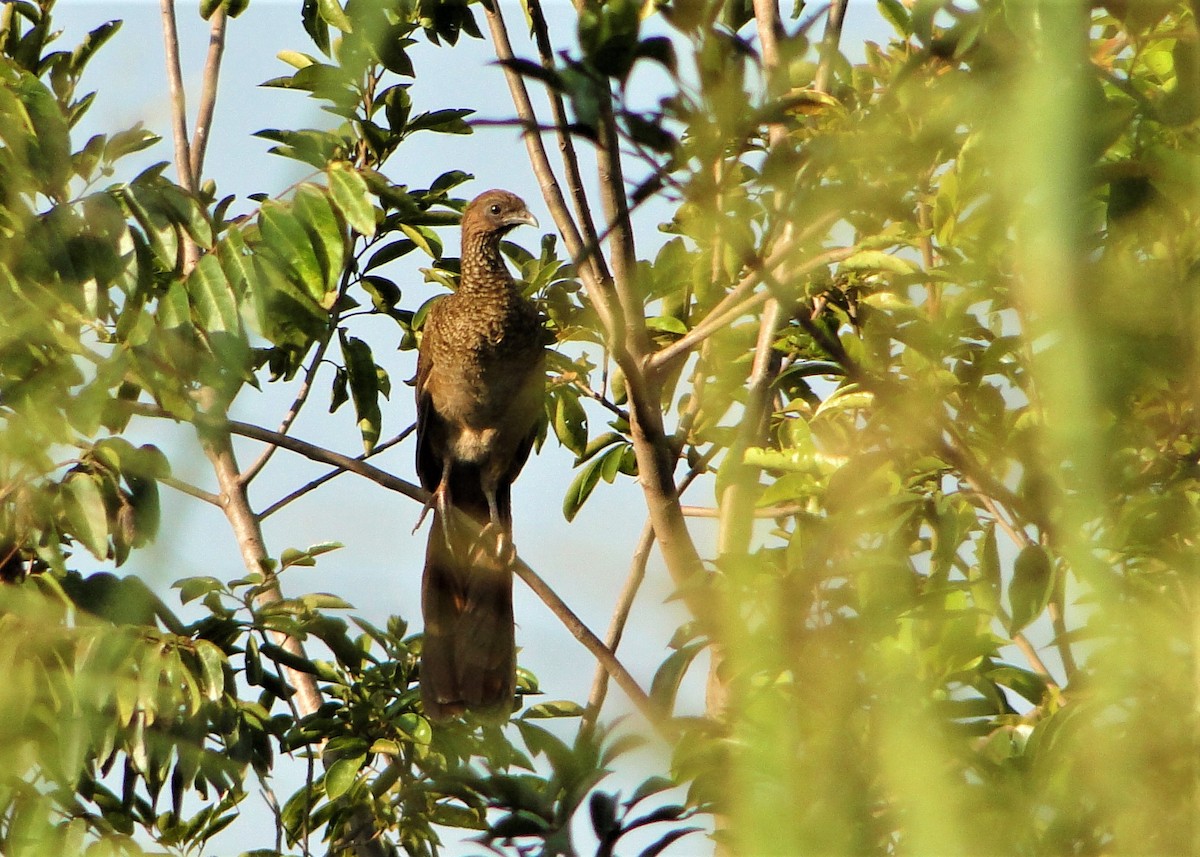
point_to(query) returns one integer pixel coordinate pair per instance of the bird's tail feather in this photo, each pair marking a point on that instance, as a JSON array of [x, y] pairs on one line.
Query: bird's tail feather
[[469, 654]]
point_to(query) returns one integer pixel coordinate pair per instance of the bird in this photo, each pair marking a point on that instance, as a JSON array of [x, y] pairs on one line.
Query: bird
[[480, 386]]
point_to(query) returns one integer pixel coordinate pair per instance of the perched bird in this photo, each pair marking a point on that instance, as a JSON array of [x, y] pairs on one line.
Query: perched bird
[[479, 386]]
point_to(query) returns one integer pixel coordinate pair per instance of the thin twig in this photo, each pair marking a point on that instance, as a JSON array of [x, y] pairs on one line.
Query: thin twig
[[594, 644], [616, 626], [335, 472], [183, 157], [736, 303], [294, 410], [566, 145], [191, 490], [830, 44], [582, 386], [542, 170], [208, 91], [765, 512], [1034, 659]]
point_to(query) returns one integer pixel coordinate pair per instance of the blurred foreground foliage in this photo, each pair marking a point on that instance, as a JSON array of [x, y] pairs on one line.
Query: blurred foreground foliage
[[930, 329]]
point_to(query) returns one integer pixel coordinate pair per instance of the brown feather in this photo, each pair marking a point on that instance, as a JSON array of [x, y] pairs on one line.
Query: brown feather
[[479, 386]]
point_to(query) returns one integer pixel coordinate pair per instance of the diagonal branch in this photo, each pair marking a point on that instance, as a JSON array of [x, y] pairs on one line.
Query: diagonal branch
[[591, 266], [616, 626], [246, 527], [742, 298], [208, 92], [335, 472], [566, 145]]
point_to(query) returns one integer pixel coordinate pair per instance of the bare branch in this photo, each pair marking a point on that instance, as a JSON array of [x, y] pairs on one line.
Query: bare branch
[[191, 490], [208, 92], [566, 145], [183, 157], [584, 388], [616, 626], [737, 500], [335, 472], [765, 512], [741, 299], [593, 644], [297, 403], [829, 44], [591, 266], [246, 531]]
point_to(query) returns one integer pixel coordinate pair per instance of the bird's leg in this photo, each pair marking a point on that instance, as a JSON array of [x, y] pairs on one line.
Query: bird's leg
[[438, 499], [495, 531]]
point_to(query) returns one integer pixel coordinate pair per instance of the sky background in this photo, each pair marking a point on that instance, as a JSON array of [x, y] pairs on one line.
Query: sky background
[[378, 570]]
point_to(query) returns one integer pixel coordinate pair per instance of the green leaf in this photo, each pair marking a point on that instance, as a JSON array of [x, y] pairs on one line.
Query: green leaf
[[570, 421], [1031, 587], [332, 12], [583, 484], [341, 775], [286, 236], [897, 15], [669, 676], [212, 665], [667, 324], [211, 296], [415, 727], [384, 293], [86, 513], [424, 238], [442, 121], [191, 588], [352, 198], [91, 43], [364, 387], [146, 208], [877, 260], [316, 214], [324, 601], [556, 708], [388, 253], [288, 659]]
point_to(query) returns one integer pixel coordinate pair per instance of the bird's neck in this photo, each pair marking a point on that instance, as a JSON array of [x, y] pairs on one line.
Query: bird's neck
[[483, 270]]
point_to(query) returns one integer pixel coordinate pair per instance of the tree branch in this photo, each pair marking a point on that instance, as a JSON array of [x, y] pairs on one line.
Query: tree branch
[[616, 626], [591, 267], [297, 403], [566, 145], [208, 92], [191, 490], [335, 472], [741, 299], [593, 644], [246, 531], [183, 157], [830, 42]]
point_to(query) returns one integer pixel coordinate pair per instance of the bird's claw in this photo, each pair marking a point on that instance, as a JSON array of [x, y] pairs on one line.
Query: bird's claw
[[496, 544], [437, 500]]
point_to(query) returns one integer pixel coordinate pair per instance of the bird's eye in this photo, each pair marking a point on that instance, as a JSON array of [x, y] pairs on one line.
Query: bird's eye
[[495, 209]]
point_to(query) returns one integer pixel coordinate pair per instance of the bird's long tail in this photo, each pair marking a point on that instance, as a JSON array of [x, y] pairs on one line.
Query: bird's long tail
[[469, 655]]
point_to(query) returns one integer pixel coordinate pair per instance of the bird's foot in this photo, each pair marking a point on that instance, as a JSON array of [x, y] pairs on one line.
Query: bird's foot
[[495, 544], [437, 500]]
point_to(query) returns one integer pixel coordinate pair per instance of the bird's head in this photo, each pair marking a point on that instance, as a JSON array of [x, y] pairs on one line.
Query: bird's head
[[495, 212]]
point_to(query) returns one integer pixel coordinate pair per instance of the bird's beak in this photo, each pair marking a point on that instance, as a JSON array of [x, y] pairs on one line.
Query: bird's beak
[[523, 217]]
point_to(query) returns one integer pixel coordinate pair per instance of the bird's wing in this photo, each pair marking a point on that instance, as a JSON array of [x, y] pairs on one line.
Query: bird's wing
[[429, 465]]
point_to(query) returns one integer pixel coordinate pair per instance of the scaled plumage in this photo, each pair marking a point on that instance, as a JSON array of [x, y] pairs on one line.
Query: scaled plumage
[[479, 386]]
